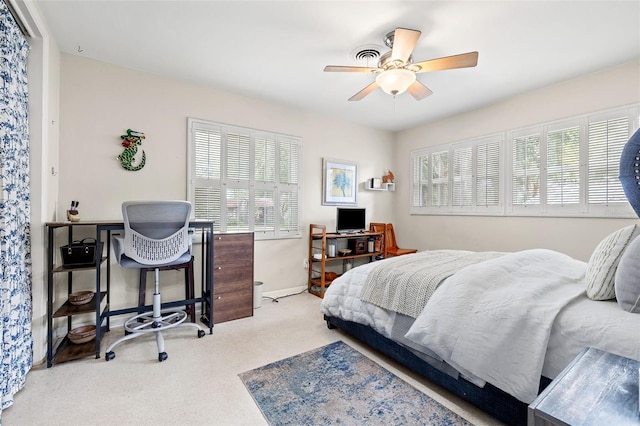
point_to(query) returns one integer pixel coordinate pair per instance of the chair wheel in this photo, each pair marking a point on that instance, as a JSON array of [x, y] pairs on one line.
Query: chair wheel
[[162, 356], [109, 356], [200, 334]]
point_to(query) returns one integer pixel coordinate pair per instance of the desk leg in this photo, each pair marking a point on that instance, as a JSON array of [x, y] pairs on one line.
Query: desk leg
[[207, 263], [50, 298], [97, 296]]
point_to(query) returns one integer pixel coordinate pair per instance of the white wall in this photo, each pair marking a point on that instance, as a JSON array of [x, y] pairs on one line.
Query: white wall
[[575, 236], [100, 101]]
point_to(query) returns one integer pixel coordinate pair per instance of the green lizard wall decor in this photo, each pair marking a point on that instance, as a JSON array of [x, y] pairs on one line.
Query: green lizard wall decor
[[130, 142]]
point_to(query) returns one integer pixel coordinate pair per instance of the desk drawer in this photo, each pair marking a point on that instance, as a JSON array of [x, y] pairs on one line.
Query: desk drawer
[[230, 248], [229, 278], [230, 306]]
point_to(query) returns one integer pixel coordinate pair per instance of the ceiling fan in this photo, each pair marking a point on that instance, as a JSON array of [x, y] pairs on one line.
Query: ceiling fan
[[396, 72]]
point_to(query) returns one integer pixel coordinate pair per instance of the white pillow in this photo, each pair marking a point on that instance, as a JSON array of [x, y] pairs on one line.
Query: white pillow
[[601, 269], [628, 278]]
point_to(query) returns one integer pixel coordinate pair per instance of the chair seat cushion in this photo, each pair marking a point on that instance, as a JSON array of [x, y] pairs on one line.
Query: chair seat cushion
[[127, 262], [400, 251]]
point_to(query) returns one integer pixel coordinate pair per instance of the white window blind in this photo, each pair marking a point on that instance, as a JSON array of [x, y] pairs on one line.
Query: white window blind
[[420, 186], [440, 179], [462, 177], [525, 172], [488, 180], [562, 168], [606, 140], [244, 179], [289, 157]]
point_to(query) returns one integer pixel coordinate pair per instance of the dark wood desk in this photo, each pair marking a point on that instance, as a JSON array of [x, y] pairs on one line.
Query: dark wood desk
[[66, 350], [596, 388]]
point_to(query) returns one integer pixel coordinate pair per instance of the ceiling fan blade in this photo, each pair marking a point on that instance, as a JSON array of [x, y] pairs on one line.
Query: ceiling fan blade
[[419, 91], [404, 41], [463, 60], [338, 68], [364, 92]]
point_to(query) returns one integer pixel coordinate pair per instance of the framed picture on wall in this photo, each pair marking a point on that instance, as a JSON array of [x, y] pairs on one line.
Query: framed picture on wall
[[339, 183]]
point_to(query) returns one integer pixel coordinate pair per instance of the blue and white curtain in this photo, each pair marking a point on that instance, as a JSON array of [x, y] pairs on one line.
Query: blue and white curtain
[[16, 341]]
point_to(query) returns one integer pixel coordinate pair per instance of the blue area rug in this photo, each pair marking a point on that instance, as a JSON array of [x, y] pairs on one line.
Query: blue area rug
[[336, 384]]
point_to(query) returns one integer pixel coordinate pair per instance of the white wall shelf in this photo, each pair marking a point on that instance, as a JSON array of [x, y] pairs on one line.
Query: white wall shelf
[[388, 186]]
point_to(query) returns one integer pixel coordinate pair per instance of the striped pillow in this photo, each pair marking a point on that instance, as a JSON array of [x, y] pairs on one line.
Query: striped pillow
[[601, 269]]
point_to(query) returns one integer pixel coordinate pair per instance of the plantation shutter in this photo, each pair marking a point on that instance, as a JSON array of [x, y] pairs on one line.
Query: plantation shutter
[[488, 174], [207, 142], [462, 177], [239, 207], [420, 177], [440, 179], [245, 180], [563, 166], [525, 183], [288, 203], [606, 139], [265, 180]]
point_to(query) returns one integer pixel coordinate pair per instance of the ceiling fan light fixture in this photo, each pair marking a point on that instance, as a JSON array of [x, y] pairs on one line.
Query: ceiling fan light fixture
[[395, 81]]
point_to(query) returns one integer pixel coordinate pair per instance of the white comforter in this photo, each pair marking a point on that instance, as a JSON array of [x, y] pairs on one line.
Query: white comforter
[[493, 320], [580, 323]]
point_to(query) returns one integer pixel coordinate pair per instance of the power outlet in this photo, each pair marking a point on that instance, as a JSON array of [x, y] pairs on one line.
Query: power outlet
[[305, 263]]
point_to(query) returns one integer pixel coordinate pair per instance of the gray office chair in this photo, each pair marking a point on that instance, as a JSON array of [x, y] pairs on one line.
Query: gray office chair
[[156, 234]]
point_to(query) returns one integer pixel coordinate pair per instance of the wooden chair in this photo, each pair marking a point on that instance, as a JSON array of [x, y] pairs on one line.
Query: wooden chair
[[390, 245]]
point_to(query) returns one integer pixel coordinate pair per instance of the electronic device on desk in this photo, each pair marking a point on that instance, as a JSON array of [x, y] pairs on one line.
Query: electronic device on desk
[[350, 220]]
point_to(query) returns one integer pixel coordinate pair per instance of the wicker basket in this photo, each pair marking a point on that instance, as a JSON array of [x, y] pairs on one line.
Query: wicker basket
[[82, 334], [80, 297]]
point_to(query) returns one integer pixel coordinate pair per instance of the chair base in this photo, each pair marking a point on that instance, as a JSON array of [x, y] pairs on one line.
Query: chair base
[[148, 322]]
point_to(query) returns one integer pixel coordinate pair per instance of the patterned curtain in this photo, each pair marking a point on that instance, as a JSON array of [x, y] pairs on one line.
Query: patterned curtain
[[16, 341]]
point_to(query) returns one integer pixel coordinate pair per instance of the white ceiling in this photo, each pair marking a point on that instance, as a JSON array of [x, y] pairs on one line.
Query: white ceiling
[[276, 50]]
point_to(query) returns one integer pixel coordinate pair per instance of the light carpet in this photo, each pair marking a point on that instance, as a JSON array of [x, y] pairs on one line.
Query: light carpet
[[336, 384]]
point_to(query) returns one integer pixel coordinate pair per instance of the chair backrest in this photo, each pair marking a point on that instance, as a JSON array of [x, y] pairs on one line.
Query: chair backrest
[[377, 227], [156, 232], [390, 237]]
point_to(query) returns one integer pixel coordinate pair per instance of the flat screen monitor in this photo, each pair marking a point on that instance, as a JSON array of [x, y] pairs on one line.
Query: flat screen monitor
[[350, 220]]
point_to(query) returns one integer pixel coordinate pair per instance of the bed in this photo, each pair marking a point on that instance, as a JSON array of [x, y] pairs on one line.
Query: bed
[[493, 328]]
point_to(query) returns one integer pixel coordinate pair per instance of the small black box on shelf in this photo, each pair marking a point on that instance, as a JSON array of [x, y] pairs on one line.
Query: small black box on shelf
[[358, 245]]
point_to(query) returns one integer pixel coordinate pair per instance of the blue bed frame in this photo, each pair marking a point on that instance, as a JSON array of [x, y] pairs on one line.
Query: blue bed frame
[[490, 399]]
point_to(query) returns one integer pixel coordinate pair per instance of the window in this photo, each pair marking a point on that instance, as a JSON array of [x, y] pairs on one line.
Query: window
[[564, 168], [607, 135], [244, 179], [488, 175], [525, 171], [420, 186], [462, 177], [440, 179], [468, 183]]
